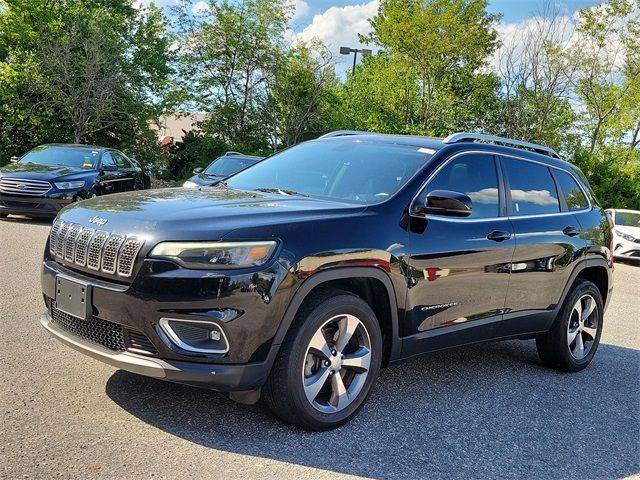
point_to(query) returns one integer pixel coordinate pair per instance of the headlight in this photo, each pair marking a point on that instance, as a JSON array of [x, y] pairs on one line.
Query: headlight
[[207, 255], [627, 237], [69, 185], [190, 184]]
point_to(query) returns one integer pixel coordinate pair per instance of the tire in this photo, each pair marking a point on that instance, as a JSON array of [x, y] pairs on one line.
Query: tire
[[4, 215], [93, 193], [319, 321], [555, 348]]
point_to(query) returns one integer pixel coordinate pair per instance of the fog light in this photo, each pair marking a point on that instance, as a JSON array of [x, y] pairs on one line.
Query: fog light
[[199, 336]]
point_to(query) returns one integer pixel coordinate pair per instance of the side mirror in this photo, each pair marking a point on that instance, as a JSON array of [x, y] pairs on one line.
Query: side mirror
[[198, 170], [443, 202], [14, 159], [109, 168]]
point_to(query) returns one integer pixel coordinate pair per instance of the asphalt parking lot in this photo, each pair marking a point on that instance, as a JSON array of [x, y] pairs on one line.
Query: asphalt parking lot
[[487, 411]]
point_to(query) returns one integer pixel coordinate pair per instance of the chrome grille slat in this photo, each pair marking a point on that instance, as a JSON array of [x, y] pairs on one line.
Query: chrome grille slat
[[23, 186], [53, 236], [62, 236], [94, 256], [70, 242], [97, 250], [82, 246], [128, 253], [110, 253]]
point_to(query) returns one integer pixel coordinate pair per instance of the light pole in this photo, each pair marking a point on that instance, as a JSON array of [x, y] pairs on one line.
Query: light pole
[[348, 50]]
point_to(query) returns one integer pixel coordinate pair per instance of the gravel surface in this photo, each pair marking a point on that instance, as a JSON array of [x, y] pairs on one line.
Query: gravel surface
[[486, 411]]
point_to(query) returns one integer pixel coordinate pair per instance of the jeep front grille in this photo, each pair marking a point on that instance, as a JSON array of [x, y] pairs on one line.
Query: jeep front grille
[[105, 252], [23, 186]]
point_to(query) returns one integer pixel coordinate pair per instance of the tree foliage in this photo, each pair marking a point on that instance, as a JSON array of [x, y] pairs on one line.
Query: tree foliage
[[103, 71]]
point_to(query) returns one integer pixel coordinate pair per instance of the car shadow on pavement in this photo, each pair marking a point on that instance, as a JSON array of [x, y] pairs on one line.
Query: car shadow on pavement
[[27, 220], [474, 412]]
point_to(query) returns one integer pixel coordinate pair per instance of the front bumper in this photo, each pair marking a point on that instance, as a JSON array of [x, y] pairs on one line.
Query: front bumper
[[33, 206], [624, 249], [224, 378]]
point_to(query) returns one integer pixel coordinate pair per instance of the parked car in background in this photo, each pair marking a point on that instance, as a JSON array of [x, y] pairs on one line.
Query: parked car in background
[[52, 176], [303, 275], [222, 167], [626, 233]]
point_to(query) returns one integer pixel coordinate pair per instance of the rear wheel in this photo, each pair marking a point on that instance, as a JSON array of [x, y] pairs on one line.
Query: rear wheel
[[575, 335], [328, 362]]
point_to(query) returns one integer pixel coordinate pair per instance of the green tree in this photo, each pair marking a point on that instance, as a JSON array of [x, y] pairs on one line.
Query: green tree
[[436, 44], [226, 54], [92, 71]]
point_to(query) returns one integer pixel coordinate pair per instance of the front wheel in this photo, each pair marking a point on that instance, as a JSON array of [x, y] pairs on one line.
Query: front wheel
[[575, 335], [328, 363]]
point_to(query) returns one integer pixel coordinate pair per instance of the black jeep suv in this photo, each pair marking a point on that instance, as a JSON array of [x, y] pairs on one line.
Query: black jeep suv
[[300, 277]]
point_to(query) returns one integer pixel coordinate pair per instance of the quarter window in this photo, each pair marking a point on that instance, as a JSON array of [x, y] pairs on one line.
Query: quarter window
[[533, 191], [573, 194], [474, 175]]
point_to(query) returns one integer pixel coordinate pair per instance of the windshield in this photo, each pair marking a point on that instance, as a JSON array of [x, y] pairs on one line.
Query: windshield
[[67, 156], [354, 171], [628, 219], [227, 166]]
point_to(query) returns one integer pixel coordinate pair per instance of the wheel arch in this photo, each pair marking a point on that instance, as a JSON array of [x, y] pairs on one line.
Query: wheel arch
[[366, 282], [596, 270]]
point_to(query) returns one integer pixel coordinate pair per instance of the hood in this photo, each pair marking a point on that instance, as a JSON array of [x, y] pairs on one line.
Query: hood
[[37, 171], [208, 213], [205, 179]]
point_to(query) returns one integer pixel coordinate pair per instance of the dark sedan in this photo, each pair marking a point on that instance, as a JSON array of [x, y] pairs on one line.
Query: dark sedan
[[222, 167], [50, 177]]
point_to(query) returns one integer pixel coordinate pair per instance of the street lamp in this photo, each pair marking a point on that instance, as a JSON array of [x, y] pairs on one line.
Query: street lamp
[[348, 50]]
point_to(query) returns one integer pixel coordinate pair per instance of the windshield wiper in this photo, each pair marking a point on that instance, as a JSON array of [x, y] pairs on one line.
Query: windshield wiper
[[281, 191]]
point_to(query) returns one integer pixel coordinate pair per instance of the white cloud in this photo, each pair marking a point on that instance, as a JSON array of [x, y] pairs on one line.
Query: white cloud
[[340, 26], [200, 8], [300, 9], [158, 3]]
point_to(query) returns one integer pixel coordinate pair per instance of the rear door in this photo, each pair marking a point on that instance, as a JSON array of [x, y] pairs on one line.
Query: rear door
[[109, 174], [127, 171], [548, 244], [459, 267]]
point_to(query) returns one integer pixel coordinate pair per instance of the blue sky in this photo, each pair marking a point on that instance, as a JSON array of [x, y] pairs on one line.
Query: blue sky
[[337, 22], [513, 10]]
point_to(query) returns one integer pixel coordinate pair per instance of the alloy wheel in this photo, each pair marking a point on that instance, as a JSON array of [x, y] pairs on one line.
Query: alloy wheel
[[582, 327], [336, 363]]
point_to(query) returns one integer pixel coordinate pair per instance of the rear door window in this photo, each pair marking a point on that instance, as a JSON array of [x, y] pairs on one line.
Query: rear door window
[[571, 191], [121, 161], [531, 187]]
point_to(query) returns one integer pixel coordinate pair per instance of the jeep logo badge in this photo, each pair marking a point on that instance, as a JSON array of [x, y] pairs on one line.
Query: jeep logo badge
[[21, 186], [98, 221]]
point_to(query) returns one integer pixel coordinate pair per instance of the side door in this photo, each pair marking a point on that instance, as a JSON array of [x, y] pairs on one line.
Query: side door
[[458, 268], [548, 243], [109, 175], [127, 171]]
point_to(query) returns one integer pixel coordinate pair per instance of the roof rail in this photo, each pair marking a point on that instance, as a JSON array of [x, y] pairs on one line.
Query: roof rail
[[231, 153], [342, 133], [473, 137]]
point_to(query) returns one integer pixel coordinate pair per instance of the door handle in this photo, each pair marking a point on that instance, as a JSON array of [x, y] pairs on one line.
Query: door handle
[[571, 231], [498, 236]]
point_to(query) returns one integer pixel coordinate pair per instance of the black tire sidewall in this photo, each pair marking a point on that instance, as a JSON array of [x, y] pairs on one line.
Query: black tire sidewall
[[581, 289], [343, 304]]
